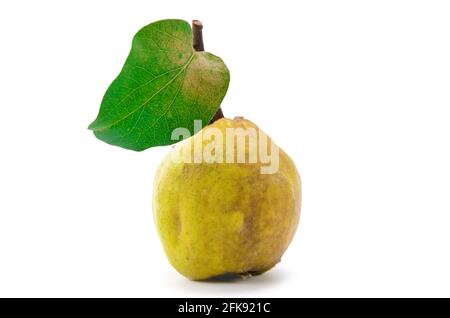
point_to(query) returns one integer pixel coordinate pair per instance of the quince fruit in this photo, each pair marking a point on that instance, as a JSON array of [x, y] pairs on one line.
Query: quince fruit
[[217, 215]]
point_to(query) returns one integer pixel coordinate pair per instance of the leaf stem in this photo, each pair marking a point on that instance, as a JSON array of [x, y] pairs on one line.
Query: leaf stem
[[197, 43]]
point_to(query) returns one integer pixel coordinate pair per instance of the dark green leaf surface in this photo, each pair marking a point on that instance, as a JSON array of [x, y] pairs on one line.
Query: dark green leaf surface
[[163, 85]]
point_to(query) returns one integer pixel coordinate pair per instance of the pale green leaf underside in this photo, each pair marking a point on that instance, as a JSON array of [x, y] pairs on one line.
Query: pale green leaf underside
[[163, 85]]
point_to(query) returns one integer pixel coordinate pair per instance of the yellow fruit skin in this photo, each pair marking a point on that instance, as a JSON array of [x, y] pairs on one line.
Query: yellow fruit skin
[[224, 218]]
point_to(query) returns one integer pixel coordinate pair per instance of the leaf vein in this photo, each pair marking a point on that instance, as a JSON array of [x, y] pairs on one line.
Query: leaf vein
[[151, 97]]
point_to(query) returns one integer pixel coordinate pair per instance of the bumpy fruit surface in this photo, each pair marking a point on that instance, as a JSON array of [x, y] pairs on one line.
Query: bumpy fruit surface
[[225, 218]]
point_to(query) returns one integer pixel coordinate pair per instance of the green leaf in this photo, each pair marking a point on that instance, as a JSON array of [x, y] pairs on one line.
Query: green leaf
[[163, 85]]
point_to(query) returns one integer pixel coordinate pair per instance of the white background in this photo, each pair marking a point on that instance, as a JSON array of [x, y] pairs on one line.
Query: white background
[[357, 92]]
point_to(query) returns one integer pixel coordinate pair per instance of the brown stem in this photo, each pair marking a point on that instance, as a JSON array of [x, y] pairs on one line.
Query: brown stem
[[197, 39], [218, 115], [197, 43]]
